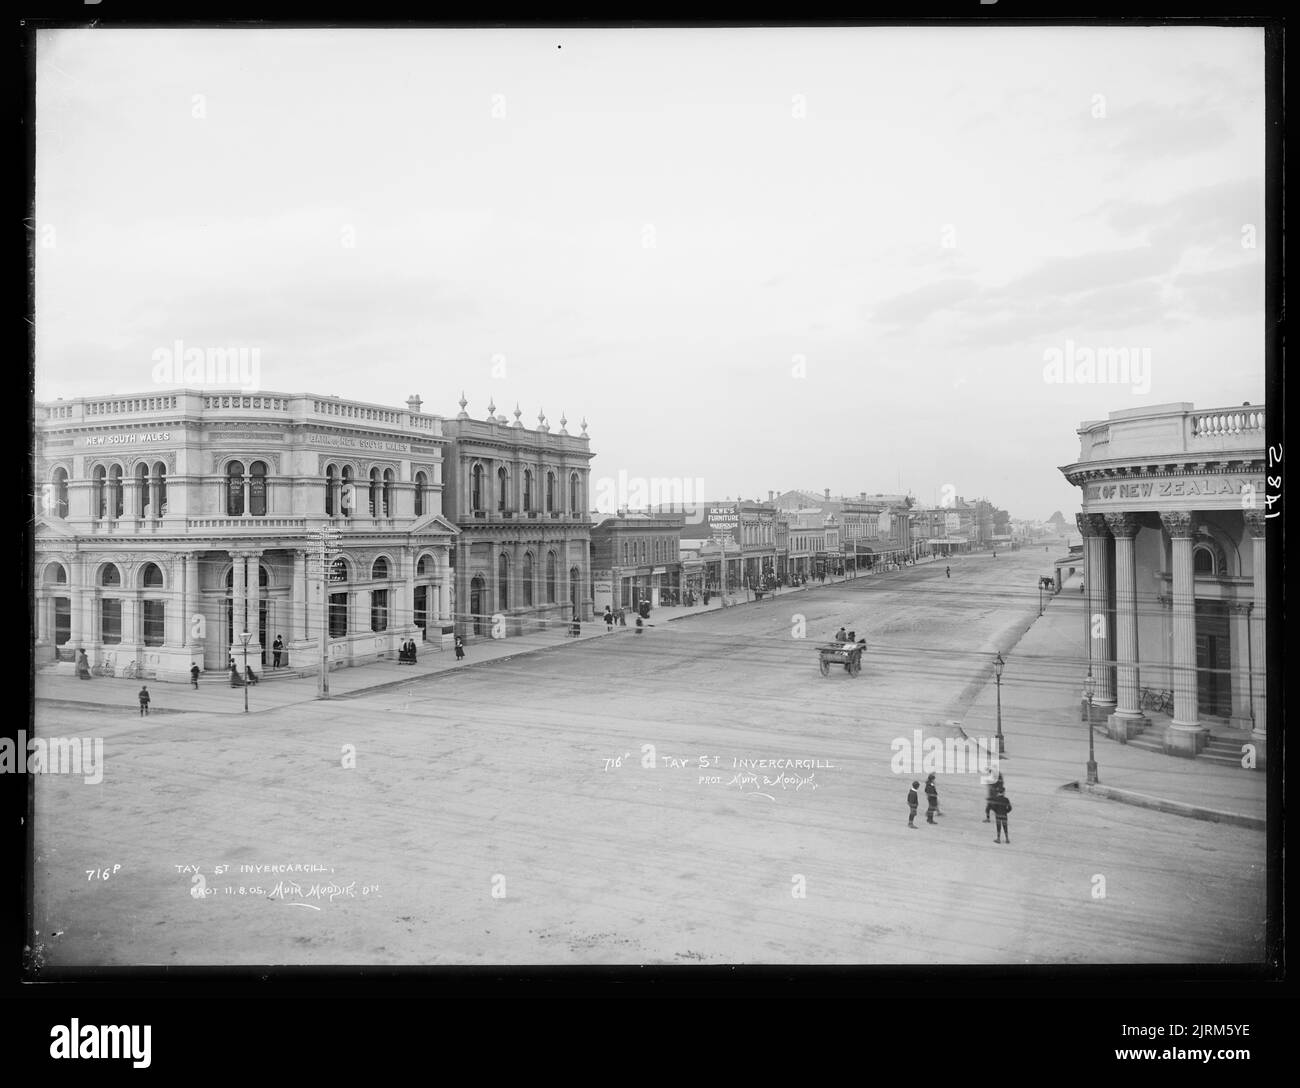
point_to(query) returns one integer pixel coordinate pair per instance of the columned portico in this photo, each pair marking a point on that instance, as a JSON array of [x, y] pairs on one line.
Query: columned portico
[[1128, 718]]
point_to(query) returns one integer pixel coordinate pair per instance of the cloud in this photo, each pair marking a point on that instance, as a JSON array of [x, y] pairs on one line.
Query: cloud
[[917, 305]]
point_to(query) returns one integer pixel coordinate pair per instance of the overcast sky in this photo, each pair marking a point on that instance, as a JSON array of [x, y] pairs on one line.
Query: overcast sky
[[763, 258]]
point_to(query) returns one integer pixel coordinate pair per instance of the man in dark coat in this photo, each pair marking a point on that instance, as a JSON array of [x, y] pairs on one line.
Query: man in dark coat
[[609, 619], [931, 800], [194, 676], [913, 802], [144, 702], [460, 649], [1001, 810]]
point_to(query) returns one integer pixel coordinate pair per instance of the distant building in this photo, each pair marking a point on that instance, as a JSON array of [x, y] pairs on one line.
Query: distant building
[[635, 556]]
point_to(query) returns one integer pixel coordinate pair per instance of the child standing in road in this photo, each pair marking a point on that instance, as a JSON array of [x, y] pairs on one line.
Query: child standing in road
[[913, 802], [1001, 809], [194, 676], [931, 800]]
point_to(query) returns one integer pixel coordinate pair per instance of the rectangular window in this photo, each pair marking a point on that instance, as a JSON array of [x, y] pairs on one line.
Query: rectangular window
[[338, 615], [110, 620], [153, 622], [379, 610]]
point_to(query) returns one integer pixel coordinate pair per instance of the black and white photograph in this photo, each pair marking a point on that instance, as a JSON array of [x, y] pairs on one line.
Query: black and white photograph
[[584, 496]]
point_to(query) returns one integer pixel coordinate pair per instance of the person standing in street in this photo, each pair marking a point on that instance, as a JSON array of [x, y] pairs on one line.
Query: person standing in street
[[1001, 810], [460, 649], [194, 676], [947, 572], [931, 800], [995, 788], [609, 619], [278, 648], [913, 803], [144, 702]]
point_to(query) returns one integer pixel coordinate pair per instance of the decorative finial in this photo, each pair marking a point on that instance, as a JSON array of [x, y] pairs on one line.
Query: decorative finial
[[492, 408], [518, 413], [463, 401], [541, 416], [563, 422], [584, 426]]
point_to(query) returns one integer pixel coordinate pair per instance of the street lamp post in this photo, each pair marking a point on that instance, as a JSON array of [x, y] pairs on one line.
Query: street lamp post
[[245, 637], [1089, 686], [998, 665]]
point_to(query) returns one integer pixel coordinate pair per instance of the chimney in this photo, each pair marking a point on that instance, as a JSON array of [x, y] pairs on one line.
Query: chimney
[[771, 496], [828, 494], [413, 402]]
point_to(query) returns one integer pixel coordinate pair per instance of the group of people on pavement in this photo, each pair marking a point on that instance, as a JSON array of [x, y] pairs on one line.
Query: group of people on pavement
[[997, 802], [612, 617]]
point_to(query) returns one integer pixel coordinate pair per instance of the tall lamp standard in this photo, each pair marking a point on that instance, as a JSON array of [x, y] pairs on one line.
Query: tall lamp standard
[[998, 665], [245, 637], [1089, 687]]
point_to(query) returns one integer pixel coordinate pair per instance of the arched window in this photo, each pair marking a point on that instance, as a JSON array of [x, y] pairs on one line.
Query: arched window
[[421, 482], [110, 576], [528, 579], [257, 490], [110, 608], [421, 568], [115, 491], [550, 492], [575, 494], [503, 484], [550, 578], [380, 570], [60, 503], [160, 474], [374, 492], [235, 489], [153, 610], [347, 493], [528, 490], [142, 491], [1203, 561], [379, 597], [388, 492], [98, 493], [643, 551], [625, 558], [330, 480], [339, 570], [503, 582], [56, 574], [476, 488]]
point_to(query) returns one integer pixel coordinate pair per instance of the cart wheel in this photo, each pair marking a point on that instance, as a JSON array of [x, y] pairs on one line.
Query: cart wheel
[[825, 667]]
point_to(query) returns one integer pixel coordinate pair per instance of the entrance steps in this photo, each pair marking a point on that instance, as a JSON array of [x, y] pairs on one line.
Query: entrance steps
[[1224, 749]]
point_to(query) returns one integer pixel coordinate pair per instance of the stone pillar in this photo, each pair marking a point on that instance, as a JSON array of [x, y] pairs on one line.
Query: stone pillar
[[155, 504], [175, 629], [408, 592], [253, 562], [298, 604], [238, 572], [494, 592], [1099, 615], [444, 592], [1256, 521], [76, 604], [1186, 735], [1128, 718]]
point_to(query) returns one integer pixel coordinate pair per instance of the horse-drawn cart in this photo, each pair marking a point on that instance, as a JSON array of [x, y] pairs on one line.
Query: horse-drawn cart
[[848, 654]]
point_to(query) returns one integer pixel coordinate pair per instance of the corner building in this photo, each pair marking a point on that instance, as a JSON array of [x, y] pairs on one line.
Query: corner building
[[1173, 523], [168, 523]]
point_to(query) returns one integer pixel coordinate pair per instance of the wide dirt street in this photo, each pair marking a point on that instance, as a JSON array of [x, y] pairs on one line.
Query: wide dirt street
[[513, 813]]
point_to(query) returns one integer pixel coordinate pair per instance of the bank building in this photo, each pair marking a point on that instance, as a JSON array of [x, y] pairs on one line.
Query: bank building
[[1173, 521], [168, 523]]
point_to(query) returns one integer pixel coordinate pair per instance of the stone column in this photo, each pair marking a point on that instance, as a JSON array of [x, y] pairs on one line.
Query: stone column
[[239, 571], [175, 629], [155, 505], [76, 604], [1099, 616], [1256, 521], [494, 593], [298, 603], [444, 590], [407, 617], [1128, 718], [1186, 734]]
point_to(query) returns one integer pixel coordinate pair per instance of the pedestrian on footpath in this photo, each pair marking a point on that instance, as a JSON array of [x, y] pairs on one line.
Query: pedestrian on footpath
[[278, 647], [948, 571], [194, 676], [460, 649], [1001, 810], [640, 624], [609, 619], [83, 666], [144, 702], [931, 800], [994, 789], [913, 803]]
